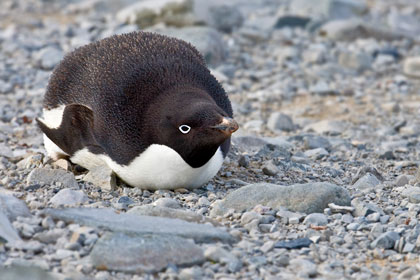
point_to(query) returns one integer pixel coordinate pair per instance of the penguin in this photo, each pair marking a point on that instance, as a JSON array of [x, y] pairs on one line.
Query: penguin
[[145, 105]]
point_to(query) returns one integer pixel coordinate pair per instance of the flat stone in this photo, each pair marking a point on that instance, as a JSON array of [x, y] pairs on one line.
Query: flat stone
[[13, 207], [102, 177], [143, 253], [5, 151], [225, 18], [355, 61], [316, 219], [304, 198], [69, 197], [52, 176], [352, 29], [220, 255], [366, 182], [411, 66], [167, 202], [340, 209], [285, 216], [150, 12], [16, 272], [401, 180], [413, 194], [316, 141], [207, 40], [385, 240], [294, 244], [291, 21], [63, 164], [7, 231], [364, 209], [280, 121], [329, 9], [49, 57], [270, 169], [303, 268], [328, 127], [249, 144], [317, 153], [365, 170], [160, 211], [134, 224]]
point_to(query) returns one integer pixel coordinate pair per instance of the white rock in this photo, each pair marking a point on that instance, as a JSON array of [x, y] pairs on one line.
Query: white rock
[[69, 197]]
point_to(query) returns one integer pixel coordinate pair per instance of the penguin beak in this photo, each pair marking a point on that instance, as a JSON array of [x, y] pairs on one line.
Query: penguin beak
[[227, 126]]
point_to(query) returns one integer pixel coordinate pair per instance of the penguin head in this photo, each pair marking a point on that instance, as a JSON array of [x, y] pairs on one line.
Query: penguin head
[[194, 126]]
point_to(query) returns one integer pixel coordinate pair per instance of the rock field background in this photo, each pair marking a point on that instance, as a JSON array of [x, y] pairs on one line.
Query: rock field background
[[322, 178]]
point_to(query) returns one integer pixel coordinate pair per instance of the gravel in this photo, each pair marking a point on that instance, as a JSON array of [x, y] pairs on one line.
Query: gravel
[[322, 181]]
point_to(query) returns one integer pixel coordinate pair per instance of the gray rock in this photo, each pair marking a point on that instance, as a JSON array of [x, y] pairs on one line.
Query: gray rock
[[322, 88], [191, 273], [364, 209], [352, 29], [291, 21], [385, 240], [5, 87], [285, 216], [69, 197], [167, 202], [150, 12], [13, 207], [353, 226], [248, 217], [329, 127], [366, 182], [404, 23], [365, 170], [103, 177], [207, 41], [279, 121], [225, 18], [5, 151], [49, 57], [355, 61], [412, 193], [144, 253], [248, 144], [220, 255], [340, 209], [317, 153], [18, 272], [160, 211], [279, 141], [411, 66], [305, 198], [270, 169], [330, 9], [315, 141], [52, 176], [7, 232], [134, 224], [401, 181], [316, 219], [303, 268]]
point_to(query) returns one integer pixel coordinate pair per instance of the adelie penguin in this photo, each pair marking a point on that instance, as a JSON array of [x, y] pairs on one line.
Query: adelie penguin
[[144, 104]]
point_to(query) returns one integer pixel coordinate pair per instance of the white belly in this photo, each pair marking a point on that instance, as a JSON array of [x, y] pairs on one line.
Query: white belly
[[158, 167]]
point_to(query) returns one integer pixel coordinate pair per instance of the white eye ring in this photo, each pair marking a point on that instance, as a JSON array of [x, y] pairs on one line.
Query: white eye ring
[[184, 128]]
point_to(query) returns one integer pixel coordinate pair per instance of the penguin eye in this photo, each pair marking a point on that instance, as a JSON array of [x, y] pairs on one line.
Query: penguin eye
[[184, 128]]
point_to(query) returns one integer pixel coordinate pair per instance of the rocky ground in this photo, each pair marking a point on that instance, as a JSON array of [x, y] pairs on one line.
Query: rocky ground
[[322, 178]]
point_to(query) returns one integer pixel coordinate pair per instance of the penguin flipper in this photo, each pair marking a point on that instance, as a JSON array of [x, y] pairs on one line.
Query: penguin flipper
[[75, 131]]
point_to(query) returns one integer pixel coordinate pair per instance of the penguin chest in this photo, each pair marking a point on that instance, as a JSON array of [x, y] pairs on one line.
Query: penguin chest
[[158, 167]]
